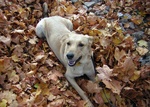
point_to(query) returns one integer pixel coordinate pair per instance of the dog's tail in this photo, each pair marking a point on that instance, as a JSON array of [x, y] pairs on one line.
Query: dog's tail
[[45, 9]]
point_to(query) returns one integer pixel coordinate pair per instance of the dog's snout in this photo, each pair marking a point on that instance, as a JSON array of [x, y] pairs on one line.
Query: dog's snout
[[70, 55]]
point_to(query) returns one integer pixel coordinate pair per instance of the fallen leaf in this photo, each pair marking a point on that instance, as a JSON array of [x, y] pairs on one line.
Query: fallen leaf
[[33, 40], [135, 76], [137, 20], [18, 31], [13, 77], [3, 103], [5, 40], [104, 73], [15, 58], [114, 85], [98, 99], [142, 51], [142, 43], [119, 54], [70, 9], [8, 96], [92, 87]]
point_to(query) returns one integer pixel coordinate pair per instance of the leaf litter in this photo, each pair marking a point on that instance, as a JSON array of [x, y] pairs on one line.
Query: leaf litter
[[31, 75]]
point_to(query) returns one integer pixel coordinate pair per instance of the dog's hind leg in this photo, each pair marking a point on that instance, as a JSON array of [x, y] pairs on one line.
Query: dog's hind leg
[[40, 29]]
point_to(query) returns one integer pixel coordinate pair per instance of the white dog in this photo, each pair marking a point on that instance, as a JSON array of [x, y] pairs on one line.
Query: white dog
[[72, 49]]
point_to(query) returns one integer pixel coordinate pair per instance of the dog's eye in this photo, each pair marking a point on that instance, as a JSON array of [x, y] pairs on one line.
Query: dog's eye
[[81, 45], [68, 43]]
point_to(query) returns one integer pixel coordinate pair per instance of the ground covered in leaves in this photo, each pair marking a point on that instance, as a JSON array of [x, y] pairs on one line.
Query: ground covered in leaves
[[31, 75]]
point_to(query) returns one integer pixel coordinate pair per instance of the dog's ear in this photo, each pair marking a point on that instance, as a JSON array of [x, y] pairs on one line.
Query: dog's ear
[[64, 38], [90, 39]]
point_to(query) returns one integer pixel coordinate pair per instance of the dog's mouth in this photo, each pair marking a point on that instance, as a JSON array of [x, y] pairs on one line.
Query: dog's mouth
[[73, 62]]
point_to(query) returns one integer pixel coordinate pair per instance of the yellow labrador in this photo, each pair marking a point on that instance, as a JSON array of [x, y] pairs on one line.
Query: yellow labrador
[[72, 49]]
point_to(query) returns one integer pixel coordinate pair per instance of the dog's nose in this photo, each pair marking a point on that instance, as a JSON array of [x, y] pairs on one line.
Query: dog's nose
[[70, 55]]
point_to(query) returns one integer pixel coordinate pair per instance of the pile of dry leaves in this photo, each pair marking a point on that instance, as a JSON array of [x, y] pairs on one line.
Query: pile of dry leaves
[[31, 75]]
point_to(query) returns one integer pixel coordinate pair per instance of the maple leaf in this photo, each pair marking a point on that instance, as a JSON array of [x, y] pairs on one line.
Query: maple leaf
[[104, 73]]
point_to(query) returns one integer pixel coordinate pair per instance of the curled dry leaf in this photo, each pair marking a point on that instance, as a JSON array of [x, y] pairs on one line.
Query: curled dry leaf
[[18, 31]]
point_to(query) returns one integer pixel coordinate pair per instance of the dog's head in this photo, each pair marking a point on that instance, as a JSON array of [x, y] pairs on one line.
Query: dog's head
[[77, 48]]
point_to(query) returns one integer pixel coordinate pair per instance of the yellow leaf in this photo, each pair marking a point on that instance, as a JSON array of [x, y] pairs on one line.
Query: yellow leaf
[[38, 92], [135, 76], [105, 95], [143, 43], [3, 103], [116, 41], [137, 20], [70, 9], [15, 58]]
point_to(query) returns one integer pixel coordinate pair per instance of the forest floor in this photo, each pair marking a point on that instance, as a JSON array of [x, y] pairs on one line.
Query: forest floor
[[31, 75]]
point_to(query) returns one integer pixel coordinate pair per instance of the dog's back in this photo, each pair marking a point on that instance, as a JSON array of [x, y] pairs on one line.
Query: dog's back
[[58, 22]]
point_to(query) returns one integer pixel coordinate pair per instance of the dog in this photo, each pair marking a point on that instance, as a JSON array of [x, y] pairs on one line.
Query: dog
[[72, 49]]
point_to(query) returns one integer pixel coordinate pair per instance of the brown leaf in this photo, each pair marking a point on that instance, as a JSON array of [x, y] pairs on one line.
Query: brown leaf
[[92, 20], [18, 51], [5, 40], [70, 9], [119, 54], [3, 19], [55, 75], [137, 20], [114, 85], [104, 73], [98, 99], [92, 87], [142, 51], [6, 64]]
